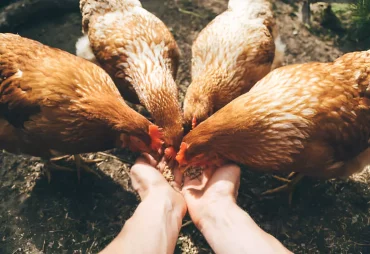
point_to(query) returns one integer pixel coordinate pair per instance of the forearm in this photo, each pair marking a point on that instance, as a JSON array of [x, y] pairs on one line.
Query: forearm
[[153, 228], [231, 230]]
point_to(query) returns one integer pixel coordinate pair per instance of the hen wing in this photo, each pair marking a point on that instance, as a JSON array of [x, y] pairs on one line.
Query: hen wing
[[114, 41], [39, 98], [232, 44], [323, 107]]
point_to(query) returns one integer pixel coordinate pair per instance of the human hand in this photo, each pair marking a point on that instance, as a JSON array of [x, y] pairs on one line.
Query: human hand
[[157, 219], [215, 189], [151, 185], [211, 202]]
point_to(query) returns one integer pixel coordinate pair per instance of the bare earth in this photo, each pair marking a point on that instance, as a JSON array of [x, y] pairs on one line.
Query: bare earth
[[68, 217]]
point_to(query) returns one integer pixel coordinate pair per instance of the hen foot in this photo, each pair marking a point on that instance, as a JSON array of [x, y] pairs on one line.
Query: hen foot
[[52, 166], [286, 180], [289, 187], [72, 157], [81, 163]]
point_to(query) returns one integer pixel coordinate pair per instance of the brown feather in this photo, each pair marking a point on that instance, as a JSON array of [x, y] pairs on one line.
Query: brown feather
[[60, 102], [229, 56], [140, 53], [312, 118]]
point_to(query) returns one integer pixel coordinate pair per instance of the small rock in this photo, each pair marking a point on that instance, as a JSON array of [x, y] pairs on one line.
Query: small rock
[[354, 219]]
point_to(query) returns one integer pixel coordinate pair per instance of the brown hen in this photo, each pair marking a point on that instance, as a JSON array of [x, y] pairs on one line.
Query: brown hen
[[230, 55], [313, 119], [140, 54], [54, 103]]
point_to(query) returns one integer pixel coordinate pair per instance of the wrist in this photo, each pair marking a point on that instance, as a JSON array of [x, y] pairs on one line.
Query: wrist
[[215, 212], [169, 202]]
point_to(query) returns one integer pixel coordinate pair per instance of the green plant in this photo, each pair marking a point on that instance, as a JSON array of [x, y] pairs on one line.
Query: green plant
[[361, 19]]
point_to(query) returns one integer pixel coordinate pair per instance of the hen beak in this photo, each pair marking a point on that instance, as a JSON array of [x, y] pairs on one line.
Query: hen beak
[[193, 122], [170, 153]]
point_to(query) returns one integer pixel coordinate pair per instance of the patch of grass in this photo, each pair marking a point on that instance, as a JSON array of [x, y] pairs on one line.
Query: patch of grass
[[344, 12], [187, 7], [361, 20], [355, 18], [340, 9], [350, 23]]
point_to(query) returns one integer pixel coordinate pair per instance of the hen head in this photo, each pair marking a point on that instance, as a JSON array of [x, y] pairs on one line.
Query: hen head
[[91, 7], [197, 108], [188, 157], [172, 136], [149, 141]]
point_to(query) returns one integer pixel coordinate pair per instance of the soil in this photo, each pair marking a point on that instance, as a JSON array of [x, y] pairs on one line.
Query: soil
[[66, 216]]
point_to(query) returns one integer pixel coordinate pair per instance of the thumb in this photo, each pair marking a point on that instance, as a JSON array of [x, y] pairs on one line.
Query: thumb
[[144, 176], [225, 181]]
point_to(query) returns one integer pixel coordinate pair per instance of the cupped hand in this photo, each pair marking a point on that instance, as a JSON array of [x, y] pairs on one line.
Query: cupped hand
[[150, 183], [214, 189]]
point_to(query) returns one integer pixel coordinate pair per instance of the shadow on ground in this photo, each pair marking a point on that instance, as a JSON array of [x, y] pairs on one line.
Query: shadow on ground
[[85, 215]]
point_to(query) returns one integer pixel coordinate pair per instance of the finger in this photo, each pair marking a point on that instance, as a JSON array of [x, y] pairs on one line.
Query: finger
[[178, 177], [162, 165], [137, 182], [146, 158], [145, 177], [141, 164], [237, 189], [175, 186], [224, 180], [143, 170]]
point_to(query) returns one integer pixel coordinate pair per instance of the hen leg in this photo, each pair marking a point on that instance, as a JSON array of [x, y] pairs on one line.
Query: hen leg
[[50, 165], [286, 180], [81, 163], [70, 157], [289, 186]]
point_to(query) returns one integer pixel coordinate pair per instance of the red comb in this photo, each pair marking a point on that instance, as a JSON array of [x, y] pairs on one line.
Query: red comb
[[170, 153], [180, 157], [155, 134], [193, 122]]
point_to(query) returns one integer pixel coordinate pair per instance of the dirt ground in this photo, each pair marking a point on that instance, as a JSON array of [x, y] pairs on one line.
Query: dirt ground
[[68, 217]]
